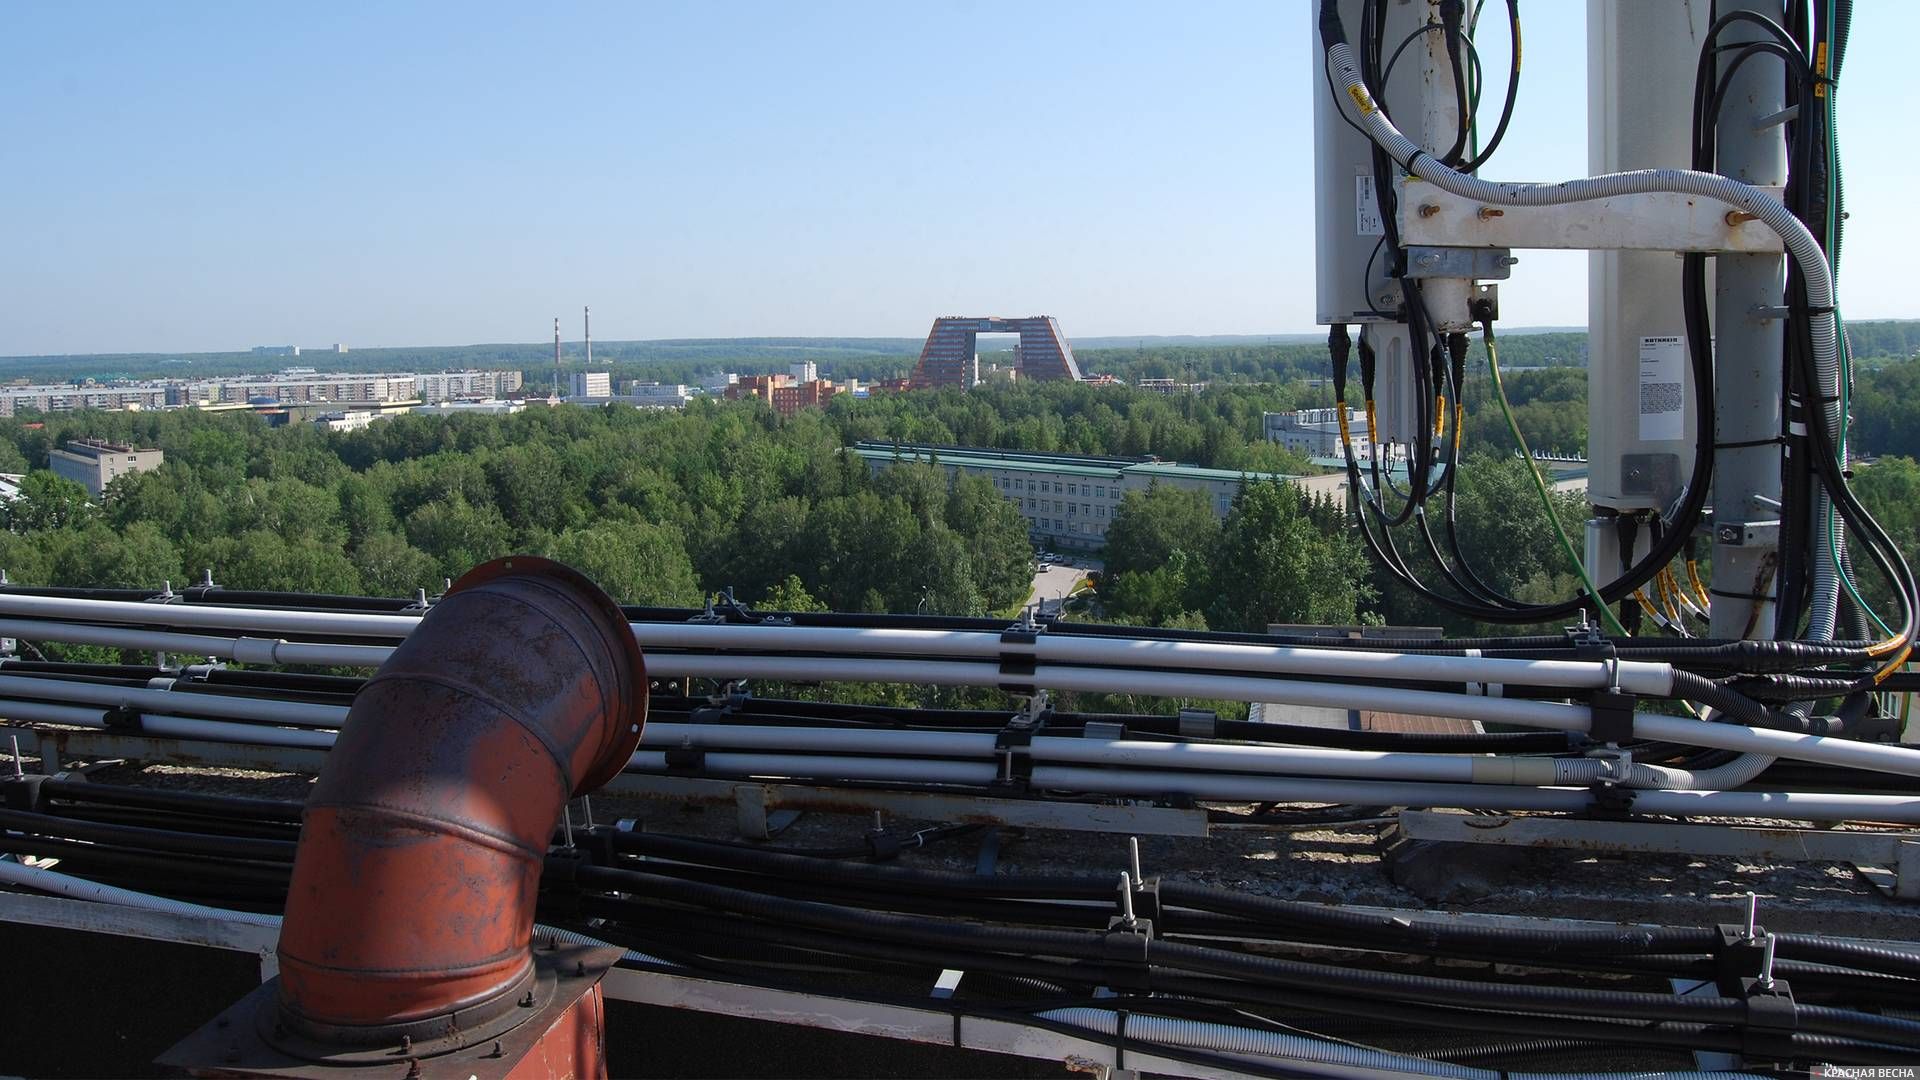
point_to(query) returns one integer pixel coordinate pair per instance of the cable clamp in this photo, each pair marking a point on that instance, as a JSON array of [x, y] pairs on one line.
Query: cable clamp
[[1199, 724], [708, 615], [1013, 745], [1611, 802], [1612, 714], [686, 759], [1588, 642], [1016, 666], [1772, 1018], [122, 718], [23, 793], [1125, 953], [1105, 730]]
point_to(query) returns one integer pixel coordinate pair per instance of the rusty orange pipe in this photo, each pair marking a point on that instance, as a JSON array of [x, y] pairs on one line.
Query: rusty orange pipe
[[412, 899]]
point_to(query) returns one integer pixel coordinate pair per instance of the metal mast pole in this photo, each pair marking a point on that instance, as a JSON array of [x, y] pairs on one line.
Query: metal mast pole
[[1747, 355]]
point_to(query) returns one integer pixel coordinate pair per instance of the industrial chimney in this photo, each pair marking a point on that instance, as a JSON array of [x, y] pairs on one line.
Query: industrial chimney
[[586, 318]]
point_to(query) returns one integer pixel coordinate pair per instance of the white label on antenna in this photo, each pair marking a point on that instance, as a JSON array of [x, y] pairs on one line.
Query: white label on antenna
[[1366, 208], [1663, 388]]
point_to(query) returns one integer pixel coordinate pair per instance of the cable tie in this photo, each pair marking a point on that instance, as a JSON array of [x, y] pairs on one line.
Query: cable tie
[[1711, 591], [1745, 443]]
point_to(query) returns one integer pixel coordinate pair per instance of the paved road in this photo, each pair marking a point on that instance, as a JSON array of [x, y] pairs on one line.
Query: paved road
[[1053, 582]]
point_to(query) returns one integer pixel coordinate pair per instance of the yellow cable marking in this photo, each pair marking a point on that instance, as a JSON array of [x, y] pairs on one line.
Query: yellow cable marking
[[1361, 99]]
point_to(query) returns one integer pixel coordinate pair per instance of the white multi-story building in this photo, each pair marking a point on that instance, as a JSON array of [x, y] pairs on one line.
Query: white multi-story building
[[590, 384], [94, 463], [454, 385], [65, 397], [302, 387], [1068, 499]]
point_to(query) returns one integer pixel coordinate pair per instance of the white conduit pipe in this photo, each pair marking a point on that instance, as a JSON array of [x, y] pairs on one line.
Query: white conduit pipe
[[245, 650], [43, 880], [1878, 757], [1489, 793], [1444, 768], [344, 624], [1801, 806], [778, 743], [820, 740], [177, 727], [827, 767], [1224, 1038], [1638, 677], [1231, 1039], [160, 700], [52, 881]]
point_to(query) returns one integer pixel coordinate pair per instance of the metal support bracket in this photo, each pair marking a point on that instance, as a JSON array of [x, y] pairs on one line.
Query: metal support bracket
[[1430, 217]]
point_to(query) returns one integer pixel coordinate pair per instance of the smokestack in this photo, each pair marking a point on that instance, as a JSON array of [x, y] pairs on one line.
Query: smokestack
[[556, 356], [586, 317]]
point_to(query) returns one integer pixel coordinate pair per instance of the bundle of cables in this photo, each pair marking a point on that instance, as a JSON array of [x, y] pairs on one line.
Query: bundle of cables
[[1813, 586], [1162, 966]]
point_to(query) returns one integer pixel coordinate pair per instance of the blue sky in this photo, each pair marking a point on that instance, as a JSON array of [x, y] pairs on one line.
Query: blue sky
[[216, 176]]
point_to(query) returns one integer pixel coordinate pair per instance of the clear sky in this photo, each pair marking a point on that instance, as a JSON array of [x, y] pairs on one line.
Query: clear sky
[[201, 176]]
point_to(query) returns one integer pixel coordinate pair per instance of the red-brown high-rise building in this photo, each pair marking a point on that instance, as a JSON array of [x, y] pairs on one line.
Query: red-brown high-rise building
[[948, 358], [788, 400]]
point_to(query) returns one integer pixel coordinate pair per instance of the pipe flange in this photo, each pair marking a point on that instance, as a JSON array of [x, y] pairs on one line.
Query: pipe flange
[[344, 1044]]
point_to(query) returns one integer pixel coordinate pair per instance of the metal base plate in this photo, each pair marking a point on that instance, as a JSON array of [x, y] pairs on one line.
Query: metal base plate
[[232, 1044]]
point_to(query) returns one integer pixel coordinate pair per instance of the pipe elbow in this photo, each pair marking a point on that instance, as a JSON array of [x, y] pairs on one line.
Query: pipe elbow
[[411, 905]]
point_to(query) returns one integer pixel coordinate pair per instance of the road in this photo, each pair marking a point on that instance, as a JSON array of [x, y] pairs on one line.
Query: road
[[1053, 583]]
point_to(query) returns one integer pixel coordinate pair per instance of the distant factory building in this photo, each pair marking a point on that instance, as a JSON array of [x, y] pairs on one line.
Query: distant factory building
[[471, 408], [1068, 499], [1173, 386], [352, 420], [951, 354], [1316, 432], [657, 395], [94, 463], [590, 384]]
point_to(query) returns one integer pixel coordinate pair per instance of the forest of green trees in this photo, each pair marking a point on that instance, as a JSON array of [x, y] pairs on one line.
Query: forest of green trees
[[670, 507], [661, 507]]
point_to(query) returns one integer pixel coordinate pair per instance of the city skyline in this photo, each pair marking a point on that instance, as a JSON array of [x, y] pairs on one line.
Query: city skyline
[[213, 177]]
